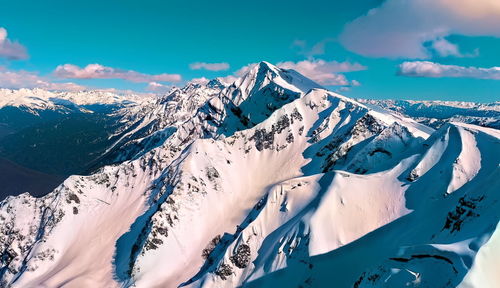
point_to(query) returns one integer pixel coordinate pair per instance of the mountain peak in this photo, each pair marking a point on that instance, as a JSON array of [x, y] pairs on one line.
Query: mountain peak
[[265, 66], [265, 74]]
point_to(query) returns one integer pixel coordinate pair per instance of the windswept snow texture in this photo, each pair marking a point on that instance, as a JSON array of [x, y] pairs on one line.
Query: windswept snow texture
[[271, 181]]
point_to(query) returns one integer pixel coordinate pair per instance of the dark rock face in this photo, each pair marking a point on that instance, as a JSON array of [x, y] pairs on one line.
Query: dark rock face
[[241, 258], [296, 115], [264, 139], [224, 271], [463, 211], [210, 247], [413, 176], [73, 197], [212, 173], [282, 124], [338, 148]]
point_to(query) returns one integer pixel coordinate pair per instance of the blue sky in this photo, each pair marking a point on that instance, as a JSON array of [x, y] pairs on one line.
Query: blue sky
[[402, 49]]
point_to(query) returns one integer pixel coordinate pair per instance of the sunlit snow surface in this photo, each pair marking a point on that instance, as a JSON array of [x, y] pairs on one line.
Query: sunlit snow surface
[[269, 182]]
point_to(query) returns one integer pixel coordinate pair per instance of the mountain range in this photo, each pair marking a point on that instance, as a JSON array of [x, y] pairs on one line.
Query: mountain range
[[270, 181]]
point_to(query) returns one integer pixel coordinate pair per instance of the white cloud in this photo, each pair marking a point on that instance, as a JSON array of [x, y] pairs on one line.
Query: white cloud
[[445, 48], [355, 83], [201, 80], [344, 89], [158, 87], [25, 79], [209, 66], [63, 86], [124, 91], [324, 72], [404, 29], [436, 70], [97, 71], [11, 50]]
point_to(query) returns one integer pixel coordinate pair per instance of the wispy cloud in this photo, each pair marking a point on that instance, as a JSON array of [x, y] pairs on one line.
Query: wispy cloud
[[445, 48], [436, 70], [418, 29], [9, 49], [201, 80], [63, 86], [303, 48], [324, 72], [97, 71], [209, 66], [158, 87], [26, 79]]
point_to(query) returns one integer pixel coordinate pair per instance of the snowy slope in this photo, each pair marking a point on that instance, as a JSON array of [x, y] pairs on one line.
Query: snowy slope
[[271, 181], [483, 272], [433, 246]]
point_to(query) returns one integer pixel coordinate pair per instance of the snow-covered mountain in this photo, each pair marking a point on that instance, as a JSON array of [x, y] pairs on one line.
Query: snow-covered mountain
[[271, 181], [40, 99], [438, 113]]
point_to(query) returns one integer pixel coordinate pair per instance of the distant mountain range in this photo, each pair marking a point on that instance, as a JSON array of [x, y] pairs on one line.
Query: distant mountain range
[[56, 135], [438, 113], [270, 181]]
